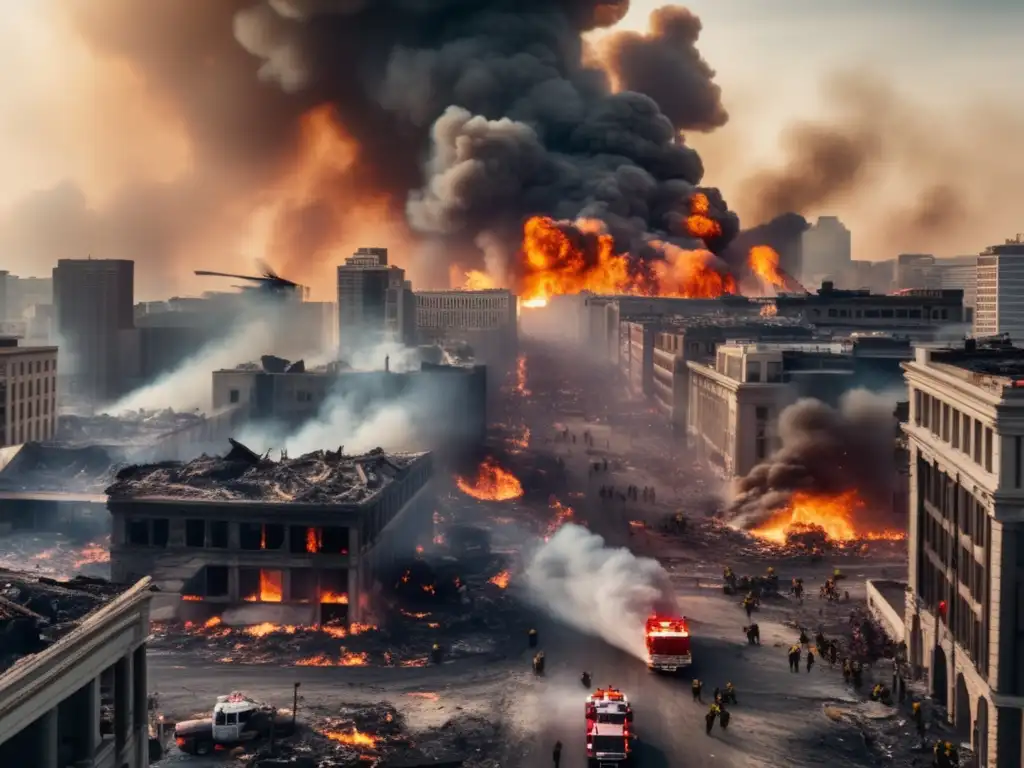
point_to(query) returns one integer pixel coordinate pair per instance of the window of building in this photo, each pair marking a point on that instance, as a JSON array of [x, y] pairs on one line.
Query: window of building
[[917, 406], [988, 449], [754, 372], [965, 434], [334, 540], [833, 313], [161, 532], [217, 581], [303, 585], [774, 372], [234, 396], [137, 532], [219, 537], [915, 314], [976, 443], [955, 438], [195, 533], [305, 397], [887, 313]]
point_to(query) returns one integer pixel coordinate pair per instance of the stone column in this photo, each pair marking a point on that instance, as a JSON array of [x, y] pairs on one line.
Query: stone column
[[122, 700], [140, 721], [47, 735], [89, 712]]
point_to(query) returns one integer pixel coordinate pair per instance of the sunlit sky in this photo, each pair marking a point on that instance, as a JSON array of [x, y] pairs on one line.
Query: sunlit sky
[[771, 57]]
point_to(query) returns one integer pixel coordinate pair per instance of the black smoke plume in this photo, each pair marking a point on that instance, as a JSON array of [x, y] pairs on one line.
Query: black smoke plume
[[469, 115], [824, 450]]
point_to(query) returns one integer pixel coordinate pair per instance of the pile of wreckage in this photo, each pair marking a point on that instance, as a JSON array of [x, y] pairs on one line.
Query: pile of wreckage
[[36, 612], [376, 735], [39, 467], [321, 477], [128, 428]]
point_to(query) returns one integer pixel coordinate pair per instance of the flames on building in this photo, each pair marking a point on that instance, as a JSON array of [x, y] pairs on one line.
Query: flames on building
[[492, 483], [836, 518]]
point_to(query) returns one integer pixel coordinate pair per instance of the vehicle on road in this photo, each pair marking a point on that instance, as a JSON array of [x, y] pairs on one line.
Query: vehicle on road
[[668, 643], [609, 728], [236, 720]]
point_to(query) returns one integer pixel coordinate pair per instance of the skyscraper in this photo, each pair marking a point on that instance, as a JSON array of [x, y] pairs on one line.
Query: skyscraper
[[1000, 291], [93, 304], [371, 301]]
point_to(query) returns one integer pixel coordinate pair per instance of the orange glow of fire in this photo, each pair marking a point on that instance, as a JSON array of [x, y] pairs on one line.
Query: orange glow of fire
[[314, 540], [333, 598], [521, 376], [271, 587], [91, 554], [358, 628], [428, 695], [420, 662], [563, 515], [834, 515], [500, 580], [420, 615], [263, 537], [192, 598], [210, 623], [419, 549], [473, 280], [764, 262], [429, 589], [439, 539], [522, 442], [562, 258], [345, 660], [492, 483], [698, 223], [354, 738]]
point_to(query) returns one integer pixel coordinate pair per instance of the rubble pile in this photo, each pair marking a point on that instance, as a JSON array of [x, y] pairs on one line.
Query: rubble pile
[[127, 428], [810, 543], [38, 467], [36, 612], [322, 477]]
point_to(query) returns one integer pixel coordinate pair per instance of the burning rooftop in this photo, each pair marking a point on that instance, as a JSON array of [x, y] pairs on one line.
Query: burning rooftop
[[322, 477]]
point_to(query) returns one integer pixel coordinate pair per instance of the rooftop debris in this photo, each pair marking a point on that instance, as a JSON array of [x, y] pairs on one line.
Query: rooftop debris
[[129, 429], [36, 612], [322, 477], [39, 467]]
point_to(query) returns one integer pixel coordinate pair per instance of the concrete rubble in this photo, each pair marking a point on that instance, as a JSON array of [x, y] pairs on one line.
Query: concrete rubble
[[35, 612], [322, 477], [129, 428], [39, 467]]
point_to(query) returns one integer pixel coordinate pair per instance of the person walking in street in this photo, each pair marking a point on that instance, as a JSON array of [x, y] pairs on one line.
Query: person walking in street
[[556, 753], [794, 658], [710, 717], [810, 659], [696, 687]]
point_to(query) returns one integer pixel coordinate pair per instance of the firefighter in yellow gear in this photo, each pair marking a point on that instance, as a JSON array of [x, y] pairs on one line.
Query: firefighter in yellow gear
[[771, 571], [794, 658], [729, 694], [436, 654], [918, 714], [532, 637], [710, 717]]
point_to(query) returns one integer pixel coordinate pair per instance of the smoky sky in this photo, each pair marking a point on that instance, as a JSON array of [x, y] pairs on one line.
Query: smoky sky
[[469, 116]]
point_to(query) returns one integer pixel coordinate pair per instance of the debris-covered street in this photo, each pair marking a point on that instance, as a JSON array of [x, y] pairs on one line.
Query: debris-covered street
[[483, 705]]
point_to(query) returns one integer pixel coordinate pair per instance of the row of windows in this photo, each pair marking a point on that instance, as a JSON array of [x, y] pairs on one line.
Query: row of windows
[[33, 430], [462, 302], [959, 430], [28, 409], [254, 537], [42, 388], [24, 368], [461, 319], [303, 585]]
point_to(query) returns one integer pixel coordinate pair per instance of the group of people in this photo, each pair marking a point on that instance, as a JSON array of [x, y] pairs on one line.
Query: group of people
[[717, 710], [631, 493]]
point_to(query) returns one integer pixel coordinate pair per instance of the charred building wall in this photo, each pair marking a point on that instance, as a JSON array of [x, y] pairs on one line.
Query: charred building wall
[[299, 563]]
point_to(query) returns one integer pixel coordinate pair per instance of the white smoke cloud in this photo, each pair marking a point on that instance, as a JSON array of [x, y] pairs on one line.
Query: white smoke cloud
[[608, 593]]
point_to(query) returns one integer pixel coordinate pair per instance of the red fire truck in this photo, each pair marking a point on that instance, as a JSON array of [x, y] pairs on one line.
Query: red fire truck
[[609, 728], [668, 643]]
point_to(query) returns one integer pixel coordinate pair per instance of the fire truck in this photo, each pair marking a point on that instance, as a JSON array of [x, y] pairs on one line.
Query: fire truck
[[609, 728], [668, 643]]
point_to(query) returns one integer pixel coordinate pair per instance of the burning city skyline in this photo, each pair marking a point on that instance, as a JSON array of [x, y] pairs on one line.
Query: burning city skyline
[[300, 167]]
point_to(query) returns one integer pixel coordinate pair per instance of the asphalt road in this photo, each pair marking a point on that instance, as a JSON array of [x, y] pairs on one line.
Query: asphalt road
[[780, 718]]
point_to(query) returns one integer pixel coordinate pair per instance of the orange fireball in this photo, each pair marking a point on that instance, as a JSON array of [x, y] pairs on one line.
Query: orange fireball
[[698, 223], [764, 262], [492, 483]]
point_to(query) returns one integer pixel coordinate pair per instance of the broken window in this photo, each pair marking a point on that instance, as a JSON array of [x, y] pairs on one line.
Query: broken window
[[334, 540], [219, 534], [249, 583], [217, 581], [272, 536], [303, 540], [303, 586], [250, 535], [333, 595], [265, 585], [195, 533], [161, 532], [137, 532]]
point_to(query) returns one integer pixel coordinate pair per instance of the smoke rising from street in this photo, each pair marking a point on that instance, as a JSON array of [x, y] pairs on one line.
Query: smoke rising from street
[[826, 451], [608, 593]]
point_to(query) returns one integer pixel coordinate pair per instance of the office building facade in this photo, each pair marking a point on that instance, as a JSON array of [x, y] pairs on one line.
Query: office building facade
[[372, 301], [1000, 291]]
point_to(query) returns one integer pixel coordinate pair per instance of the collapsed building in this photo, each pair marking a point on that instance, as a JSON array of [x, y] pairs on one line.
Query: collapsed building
[[304, 538], [73, 673], [449, 400]]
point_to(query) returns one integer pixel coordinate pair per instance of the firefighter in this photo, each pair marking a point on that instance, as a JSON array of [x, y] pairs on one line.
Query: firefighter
[[918, 719], [833, 652], [749, 632], [556, 753], [532, 637], [748, 606], [847, 670], [856, 671], [538, 663], [794, 658], [585, 679], [810, 660], [876, 692], [804, 640], [730, 694], [757, 633], [436, 654], [820, 642], [723, 717], [696, 687], [718, 697], [709, 718]]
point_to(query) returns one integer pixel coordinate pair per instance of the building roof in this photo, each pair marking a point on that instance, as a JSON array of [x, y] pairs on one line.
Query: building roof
[[323, 477], [45, 609], [128, 429]]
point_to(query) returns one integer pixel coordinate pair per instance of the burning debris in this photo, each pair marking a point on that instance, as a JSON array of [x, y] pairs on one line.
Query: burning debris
[[56, 555], [834, 470], [492, 483], [563, 515], [813, 520], [521, 376], [322, 477], [35, 612]]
